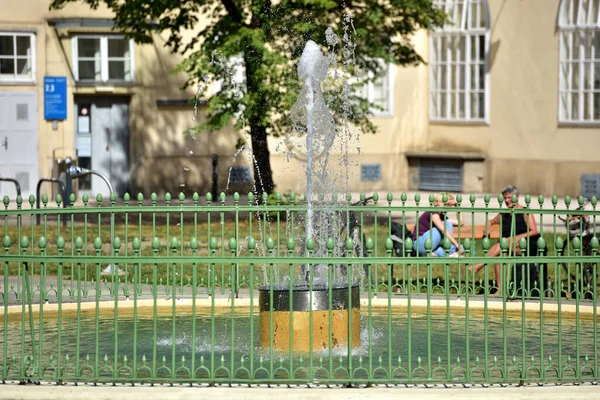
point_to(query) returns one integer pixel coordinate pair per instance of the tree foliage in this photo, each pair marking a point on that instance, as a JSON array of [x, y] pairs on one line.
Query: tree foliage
[[263, 39]]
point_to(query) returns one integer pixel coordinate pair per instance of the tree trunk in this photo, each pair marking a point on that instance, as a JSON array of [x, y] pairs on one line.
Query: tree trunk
[[263, 175], [253, 60]]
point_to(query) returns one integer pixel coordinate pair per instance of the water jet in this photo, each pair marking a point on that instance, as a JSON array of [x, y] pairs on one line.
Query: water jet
[[322, 313]]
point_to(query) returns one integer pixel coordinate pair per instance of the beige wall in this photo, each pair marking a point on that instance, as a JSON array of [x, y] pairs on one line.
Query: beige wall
[[523, 143], [405, 129], [31, 15], [162, 157]]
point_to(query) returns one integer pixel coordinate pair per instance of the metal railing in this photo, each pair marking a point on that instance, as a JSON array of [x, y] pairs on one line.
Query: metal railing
[[167, 291]]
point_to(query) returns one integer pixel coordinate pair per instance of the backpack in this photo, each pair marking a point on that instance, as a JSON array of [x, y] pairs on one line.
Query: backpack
[[399, 234]]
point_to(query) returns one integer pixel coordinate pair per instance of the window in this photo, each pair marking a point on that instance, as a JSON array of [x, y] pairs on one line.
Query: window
[[579, 65], [459, 88], [103, 59], [17, 57], [235, 70], [379, 91]]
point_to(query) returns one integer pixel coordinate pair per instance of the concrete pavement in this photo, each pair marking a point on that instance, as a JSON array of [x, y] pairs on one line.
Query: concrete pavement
[[231, 392]]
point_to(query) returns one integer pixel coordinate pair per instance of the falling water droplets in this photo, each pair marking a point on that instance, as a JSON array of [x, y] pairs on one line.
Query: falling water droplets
[[331, 37]]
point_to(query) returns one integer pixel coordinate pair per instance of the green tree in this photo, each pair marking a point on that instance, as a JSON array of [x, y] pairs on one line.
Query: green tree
[[264, 40]]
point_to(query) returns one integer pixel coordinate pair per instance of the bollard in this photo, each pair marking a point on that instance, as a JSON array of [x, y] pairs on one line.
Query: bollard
[[215, 175]]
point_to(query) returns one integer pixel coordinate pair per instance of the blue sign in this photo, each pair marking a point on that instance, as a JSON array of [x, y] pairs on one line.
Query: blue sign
[[55, 97], [370, 172], [590, 185]]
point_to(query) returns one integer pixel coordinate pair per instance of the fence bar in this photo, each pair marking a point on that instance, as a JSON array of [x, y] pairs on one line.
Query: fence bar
[[425, 315]]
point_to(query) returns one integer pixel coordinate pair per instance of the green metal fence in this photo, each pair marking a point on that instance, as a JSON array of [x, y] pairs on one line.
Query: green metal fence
[[165, 290]]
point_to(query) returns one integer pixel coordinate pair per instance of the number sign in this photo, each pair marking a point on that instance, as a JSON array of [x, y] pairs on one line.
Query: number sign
[[55, 97]]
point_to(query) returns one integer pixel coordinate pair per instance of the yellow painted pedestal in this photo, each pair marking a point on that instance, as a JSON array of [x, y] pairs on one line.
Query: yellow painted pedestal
[[322, 329], [310, 325]]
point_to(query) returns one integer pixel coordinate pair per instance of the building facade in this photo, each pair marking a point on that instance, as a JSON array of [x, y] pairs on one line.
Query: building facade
[[510, 94]]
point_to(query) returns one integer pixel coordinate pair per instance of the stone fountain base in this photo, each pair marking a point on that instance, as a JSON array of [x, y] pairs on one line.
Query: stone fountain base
[[274, 328]]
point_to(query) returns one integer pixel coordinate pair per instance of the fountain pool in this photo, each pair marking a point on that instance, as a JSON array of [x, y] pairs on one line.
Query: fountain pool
[[222, 345]]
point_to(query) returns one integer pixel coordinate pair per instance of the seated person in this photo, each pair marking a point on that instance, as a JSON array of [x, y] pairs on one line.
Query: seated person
[[525, 226], [434, 225]]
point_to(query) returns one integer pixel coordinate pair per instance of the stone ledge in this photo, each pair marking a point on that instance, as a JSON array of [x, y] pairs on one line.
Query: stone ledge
[[461, 155]]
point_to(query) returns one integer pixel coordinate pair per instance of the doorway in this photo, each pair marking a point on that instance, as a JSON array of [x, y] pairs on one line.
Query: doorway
[[18, 143], [102, 143]]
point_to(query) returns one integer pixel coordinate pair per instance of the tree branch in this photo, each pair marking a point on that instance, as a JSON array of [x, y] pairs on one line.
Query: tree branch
[[232, 10]]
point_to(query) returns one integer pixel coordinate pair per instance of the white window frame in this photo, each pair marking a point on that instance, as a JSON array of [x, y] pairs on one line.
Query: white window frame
[[236, 69], [32, 44], [572, 24], [103, 58], [366, 90], [389, 83], [466, 29]]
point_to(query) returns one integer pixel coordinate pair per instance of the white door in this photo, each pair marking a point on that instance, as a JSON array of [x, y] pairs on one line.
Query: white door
[[102, 143], [18, 142]]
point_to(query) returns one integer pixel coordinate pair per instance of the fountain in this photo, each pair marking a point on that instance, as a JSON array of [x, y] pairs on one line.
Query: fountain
[[321, 310]]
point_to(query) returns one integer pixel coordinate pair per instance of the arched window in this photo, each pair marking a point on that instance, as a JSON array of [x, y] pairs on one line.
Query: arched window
[[579, 69], [459, 84]]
